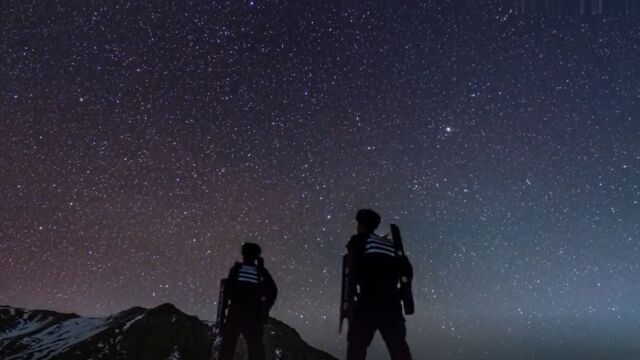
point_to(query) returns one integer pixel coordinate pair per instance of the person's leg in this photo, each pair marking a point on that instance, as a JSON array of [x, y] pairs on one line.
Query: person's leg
[[253, 334], [394, 332], [230, 333], [361, 331]]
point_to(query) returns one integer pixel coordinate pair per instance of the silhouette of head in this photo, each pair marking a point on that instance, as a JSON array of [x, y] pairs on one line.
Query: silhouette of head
[[250, 252], [368, 221]]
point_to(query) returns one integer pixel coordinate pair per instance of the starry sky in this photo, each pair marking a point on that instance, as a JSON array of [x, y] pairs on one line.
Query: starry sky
[[141, 143]]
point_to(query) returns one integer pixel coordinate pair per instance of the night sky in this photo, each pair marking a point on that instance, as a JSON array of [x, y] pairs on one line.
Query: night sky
[[141, 144]]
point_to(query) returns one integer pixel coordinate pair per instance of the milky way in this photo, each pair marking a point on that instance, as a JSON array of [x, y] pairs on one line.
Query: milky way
[[141, 144]]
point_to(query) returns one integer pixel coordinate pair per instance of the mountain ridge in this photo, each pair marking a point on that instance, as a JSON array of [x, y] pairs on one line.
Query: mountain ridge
[[161, 332]]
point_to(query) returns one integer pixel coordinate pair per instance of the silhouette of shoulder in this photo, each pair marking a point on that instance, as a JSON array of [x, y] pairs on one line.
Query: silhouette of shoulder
[[356, 242], [234, 269]]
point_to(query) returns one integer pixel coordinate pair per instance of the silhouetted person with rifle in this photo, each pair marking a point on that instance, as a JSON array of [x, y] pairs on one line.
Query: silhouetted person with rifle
[[376, 286], [246, 297]]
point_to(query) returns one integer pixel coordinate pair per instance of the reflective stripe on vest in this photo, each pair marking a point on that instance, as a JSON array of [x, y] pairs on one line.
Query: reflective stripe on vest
[[248, 273], [378, 245]]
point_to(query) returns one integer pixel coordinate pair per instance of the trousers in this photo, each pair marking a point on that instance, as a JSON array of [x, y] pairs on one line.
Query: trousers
[[247, 325], [369, 318]]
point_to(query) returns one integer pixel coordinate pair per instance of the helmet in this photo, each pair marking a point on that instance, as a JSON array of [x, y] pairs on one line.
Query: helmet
[[368, 218], [251, 250]]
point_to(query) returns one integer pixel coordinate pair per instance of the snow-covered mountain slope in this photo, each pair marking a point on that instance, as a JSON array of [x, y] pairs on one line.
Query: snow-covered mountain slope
[[163, 332]]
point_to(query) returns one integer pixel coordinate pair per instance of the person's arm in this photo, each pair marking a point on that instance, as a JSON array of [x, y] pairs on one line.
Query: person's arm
[[232, 283], [404, 267], [355, 253], [271, 290]]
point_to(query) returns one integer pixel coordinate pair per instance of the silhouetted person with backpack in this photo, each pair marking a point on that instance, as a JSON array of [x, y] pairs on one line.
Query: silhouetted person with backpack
[[375, 270], [249, 293]]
